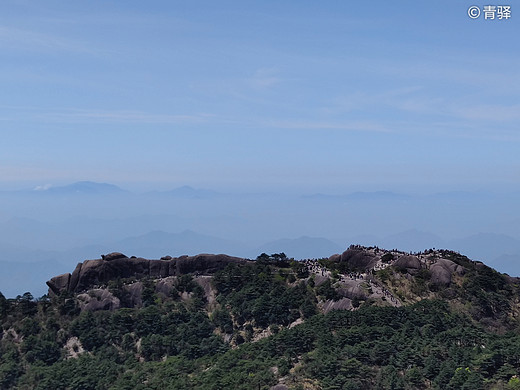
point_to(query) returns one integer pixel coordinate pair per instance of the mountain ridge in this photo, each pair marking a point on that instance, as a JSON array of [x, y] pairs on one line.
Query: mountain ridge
[[406, 277], [362, 319]]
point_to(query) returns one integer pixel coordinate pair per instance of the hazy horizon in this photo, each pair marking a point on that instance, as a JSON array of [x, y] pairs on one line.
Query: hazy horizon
[[61, 226]]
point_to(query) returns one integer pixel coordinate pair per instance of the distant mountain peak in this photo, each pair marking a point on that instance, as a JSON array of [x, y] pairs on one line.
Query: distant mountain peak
[[81, 187], [360, 195]]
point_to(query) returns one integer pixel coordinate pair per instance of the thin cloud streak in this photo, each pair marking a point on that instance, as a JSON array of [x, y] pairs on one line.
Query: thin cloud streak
[[38, 114], [125, 117], [128, 116], [313, 125], [489, 112], [27, 40]]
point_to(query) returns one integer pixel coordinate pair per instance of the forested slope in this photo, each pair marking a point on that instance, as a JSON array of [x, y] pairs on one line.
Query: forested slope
[[347, 322]]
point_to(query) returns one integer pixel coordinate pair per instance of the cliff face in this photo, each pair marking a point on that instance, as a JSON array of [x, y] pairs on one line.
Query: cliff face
[[116, 265]]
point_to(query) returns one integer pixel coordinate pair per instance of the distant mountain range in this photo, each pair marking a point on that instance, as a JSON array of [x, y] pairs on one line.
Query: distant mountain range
[[81, 187], [95, 188], [188, 192], [16, 260], [371, 196], [192, 193], [65, 224]]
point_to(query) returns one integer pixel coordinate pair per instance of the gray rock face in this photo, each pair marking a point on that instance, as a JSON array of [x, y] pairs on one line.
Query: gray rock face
[[98, 299], [335, 258], [409, 262], [319, 280], [358, 259], [159, 269], [165, 286], [74, 279], [59, 283], [440, 275], [342, 304], [134, 294], [453, 267], [352, 292], [115, 265], [442, 270], [412, 264]]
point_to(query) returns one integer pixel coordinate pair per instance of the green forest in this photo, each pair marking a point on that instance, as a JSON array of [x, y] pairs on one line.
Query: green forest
[[466, 338]]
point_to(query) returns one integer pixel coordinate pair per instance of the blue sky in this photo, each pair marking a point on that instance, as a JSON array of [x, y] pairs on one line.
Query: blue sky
[[299, 96]]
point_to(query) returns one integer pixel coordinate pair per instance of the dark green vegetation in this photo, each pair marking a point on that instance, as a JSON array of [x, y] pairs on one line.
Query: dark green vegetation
[[464, 337]]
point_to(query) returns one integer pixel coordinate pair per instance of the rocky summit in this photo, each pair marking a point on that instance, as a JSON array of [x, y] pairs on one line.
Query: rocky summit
[[368, 275], [116, 265], [358, 259]]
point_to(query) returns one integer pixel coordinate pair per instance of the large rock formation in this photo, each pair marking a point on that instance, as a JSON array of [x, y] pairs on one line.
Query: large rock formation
[[115, 265], [408, 261], [98, 299], [412, 264], [358, 259], [442, 271]]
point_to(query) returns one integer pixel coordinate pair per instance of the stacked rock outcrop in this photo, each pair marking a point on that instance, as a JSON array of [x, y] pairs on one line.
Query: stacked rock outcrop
[[116, 265]]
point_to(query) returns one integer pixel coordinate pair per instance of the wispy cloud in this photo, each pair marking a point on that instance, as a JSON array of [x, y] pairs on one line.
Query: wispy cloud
[[43, 187], [328, 125], [28, 40], [489, 112], [366, 100], [265, 78], [415, 108], [78, 115]]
